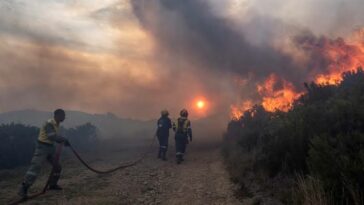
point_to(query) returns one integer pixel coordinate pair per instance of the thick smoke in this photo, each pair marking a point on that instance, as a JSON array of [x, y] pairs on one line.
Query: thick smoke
[[262, 41], [139, 56], [190, 30]]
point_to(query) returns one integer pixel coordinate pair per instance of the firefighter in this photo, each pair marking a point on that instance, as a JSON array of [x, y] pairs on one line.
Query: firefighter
[[45, 151], [164, 124], [183, 132]]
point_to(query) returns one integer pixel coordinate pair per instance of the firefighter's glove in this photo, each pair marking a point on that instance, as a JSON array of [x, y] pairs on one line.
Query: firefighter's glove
[[66, 143], [58, 139], [63, 140]]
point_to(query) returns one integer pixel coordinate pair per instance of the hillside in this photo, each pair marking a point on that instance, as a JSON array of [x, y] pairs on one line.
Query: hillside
[[108, 124]]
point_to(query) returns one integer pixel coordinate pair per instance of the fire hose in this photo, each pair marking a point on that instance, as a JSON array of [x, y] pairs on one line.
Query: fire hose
[[56, 160]]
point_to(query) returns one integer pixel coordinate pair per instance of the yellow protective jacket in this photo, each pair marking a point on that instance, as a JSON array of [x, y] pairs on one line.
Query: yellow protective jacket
[[49, 132], [183, 126]]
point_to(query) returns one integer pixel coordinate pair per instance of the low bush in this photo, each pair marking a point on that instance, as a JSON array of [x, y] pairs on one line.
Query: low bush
[[321, 136], [18, 142]]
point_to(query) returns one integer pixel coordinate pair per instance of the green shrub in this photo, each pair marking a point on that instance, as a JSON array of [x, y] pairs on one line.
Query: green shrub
[[338, 161], [18, 142]]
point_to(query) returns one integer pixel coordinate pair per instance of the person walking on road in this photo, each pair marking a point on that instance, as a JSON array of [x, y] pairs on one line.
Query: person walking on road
[[183, 135], [164, 125]]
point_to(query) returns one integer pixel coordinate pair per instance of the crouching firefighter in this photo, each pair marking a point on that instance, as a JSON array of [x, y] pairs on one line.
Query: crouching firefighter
[[164, 124], [45, 151], [183, 131]]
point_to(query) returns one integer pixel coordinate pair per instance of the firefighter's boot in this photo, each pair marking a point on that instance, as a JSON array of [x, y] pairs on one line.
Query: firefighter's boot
[[23, 191], [164, 158], [179, 159], [159, 154], [55, 187]]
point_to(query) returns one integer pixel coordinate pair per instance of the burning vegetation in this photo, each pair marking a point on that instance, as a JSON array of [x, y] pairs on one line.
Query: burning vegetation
[[277, 94], [327, 60], [238, 111], [321, 137]]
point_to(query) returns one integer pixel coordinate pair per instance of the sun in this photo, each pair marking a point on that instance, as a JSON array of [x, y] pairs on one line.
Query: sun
[[200, 104]]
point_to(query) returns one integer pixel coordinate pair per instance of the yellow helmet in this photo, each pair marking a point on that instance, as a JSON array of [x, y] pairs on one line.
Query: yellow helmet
[[164, 113], [184, 113]]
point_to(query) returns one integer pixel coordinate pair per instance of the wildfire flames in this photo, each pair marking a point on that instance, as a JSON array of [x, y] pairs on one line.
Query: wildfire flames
[[277, 94], [341, 57], [330, 57], [238, 110]]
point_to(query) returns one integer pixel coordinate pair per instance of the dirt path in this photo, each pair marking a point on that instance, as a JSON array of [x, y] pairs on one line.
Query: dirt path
[[201, 179]]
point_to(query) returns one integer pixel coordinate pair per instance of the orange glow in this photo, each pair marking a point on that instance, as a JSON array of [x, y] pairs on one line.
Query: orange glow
[[277, 94], [201, 107], [200, 104]]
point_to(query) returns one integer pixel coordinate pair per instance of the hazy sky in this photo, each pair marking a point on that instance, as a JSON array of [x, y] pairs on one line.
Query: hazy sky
[[134, 58]]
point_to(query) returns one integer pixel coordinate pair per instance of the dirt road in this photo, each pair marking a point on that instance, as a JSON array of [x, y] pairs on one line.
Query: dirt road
[[201, 179]]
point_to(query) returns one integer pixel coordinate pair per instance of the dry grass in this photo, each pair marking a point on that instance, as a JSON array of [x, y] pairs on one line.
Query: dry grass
[[310, 191], [356, 195]]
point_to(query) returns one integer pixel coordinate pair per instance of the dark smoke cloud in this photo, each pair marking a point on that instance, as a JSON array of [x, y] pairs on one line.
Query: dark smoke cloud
[[192, 32]]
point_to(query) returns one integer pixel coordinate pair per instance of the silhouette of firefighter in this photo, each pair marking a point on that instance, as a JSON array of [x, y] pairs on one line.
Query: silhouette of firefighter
[[45, 151], [183, 132], [164, 124]]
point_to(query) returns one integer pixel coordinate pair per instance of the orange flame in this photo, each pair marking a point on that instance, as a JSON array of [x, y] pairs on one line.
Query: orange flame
[[342, 57], [238, 110], [277, 94]]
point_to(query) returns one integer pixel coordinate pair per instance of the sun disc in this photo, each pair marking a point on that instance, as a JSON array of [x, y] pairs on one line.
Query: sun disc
[[200, 104]]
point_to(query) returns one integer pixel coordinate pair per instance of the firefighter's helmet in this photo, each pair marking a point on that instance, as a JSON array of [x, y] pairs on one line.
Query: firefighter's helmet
[[184, 113], [164, 113]]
